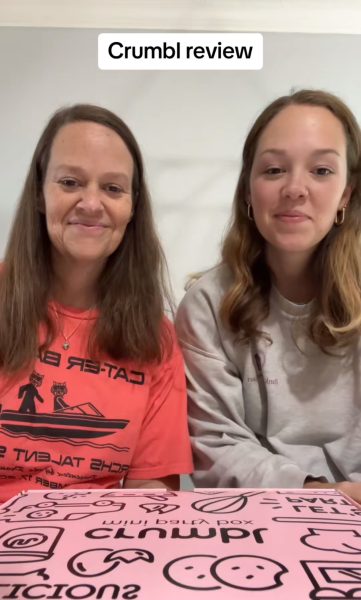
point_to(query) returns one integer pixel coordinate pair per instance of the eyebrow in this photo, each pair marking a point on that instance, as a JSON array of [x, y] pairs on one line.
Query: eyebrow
[[80, 171], [317, 152]]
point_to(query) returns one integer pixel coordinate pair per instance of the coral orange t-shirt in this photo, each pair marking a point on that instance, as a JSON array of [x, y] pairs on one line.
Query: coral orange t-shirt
[[78, 422]]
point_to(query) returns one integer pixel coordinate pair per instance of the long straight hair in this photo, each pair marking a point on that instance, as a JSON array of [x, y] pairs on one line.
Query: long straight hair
[[132, 288], [337, 262]]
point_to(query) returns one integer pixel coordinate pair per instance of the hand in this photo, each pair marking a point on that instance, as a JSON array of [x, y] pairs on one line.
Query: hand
[[350, 488]]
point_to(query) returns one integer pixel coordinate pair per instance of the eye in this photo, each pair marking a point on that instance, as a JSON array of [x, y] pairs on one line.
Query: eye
[[69, 183], [322, 171], [273, 171], [114, 189]]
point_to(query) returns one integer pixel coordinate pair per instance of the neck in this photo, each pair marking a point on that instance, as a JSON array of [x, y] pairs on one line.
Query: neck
[[75, 285], [292, 275]]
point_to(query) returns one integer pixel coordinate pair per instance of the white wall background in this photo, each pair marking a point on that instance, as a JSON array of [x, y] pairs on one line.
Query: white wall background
[[190, 125], [311, 16]]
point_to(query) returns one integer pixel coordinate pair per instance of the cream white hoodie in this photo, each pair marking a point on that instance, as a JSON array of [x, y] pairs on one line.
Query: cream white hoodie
[[267, 415]]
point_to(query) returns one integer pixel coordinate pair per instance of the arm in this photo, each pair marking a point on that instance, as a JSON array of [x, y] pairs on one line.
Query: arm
[[38, 396], [22, 390], [227, 452]]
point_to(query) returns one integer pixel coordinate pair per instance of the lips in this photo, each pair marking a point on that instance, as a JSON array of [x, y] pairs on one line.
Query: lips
[[89, 224], [292, 213], [292, 216]]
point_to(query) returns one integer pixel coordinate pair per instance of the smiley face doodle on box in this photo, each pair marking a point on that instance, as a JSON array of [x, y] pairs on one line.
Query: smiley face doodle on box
[[248, 572], [99, 561], [192, 572], [347, 541], [206, 572]]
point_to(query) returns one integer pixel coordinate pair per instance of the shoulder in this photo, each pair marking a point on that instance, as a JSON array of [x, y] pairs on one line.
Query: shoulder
[[198, 313], [207, 291]]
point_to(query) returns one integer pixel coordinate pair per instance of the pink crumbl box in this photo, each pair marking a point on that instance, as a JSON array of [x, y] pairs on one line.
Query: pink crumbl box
[[156, 544]]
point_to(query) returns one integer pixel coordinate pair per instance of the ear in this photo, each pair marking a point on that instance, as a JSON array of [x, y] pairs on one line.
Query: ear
[[345, 199]]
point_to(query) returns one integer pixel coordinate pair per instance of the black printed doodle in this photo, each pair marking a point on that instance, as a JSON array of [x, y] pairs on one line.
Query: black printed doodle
[[223, 504], [346, 541], [333, 580], [52, 510], [24, 545], [161, 509], [240, 571], [324, 520], [99, 561], [192, 572]]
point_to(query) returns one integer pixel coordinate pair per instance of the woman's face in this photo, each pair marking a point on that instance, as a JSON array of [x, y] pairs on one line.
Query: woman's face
[[298, 180], [87, 192]]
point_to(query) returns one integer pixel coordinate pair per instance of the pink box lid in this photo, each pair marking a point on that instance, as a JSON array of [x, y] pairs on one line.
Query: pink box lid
[[158, 544]]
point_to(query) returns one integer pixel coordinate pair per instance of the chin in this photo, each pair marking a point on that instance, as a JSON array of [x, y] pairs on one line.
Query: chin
[[89, 253], [292, 249], [294, 244], [86, 259]]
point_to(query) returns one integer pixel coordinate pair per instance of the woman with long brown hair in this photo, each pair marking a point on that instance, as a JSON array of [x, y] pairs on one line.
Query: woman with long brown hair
[[271, 336], [92, 381]]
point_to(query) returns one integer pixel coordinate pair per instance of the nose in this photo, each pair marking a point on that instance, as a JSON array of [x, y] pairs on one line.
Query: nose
[[295, 187], [90, 200]]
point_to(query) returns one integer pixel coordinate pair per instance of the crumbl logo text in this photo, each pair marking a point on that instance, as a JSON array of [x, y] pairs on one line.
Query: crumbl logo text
[[180, 51]]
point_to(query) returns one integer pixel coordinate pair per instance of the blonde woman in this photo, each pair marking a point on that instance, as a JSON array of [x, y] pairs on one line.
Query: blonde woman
[[271, 336]]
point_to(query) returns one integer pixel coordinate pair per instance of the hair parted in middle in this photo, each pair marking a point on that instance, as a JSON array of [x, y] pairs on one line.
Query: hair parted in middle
[[132, 288], [336, 317]]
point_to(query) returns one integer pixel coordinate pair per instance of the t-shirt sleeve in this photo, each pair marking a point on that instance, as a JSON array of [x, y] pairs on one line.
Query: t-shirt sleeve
[[163, 446]]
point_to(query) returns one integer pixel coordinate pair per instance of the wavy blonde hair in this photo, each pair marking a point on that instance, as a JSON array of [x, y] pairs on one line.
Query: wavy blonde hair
[[336, 317]]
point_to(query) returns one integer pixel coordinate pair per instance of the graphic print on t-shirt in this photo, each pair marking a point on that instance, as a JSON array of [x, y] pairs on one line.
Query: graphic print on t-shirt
[[82, 421], [59, 390], [29, 393]]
